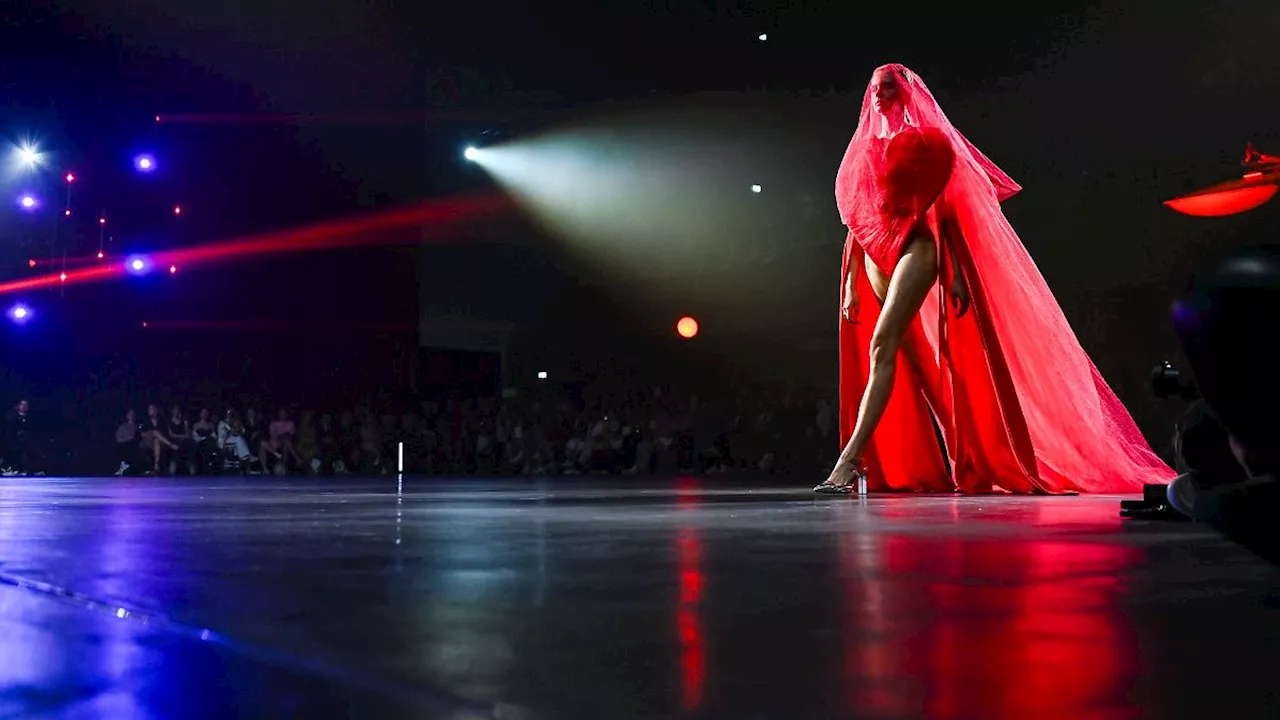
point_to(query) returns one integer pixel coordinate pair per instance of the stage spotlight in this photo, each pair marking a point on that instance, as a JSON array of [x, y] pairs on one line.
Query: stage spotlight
[[102, 221], [173, 269], [101, 255], [70, 177], [762, 37], [145, 162], [62, 277], [20, 313], [31, 262], [756, 189], [28, 156], [66, 213], [542, 374], [687, 327], [137, 265], [177, 209], [471, 153], [27, 202]]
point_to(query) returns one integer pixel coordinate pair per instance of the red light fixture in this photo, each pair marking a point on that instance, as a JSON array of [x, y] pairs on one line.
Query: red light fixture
[[1256, 187], [1223, 202]]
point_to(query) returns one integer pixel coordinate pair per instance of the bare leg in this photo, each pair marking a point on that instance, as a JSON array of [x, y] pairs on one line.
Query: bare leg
[[906, 292]]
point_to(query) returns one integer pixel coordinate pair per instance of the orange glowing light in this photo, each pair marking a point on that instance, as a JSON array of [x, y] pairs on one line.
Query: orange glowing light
[[687, 327]]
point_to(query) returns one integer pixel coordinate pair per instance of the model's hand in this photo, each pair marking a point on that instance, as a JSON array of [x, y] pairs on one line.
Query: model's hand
[[849, 308], [960, 294]]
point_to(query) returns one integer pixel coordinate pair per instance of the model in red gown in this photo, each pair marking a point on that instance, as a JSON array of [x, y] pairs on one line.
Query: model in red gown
[[1018, 403]]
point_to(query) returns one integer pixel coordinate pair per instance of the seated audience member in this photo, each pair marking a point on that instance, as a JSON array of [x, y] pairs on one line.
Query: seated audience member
[[155, 440], [255, 429], [231, 437], [204, 437], [328, 447], [307, 444], [277, 452], [128, 442], [17, 440], [179, 433], [369, 457]]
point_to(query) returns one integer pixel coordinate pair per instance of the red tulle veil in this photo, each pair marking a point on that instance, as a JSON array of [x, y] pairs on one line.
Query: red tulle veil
[[1018, 401]]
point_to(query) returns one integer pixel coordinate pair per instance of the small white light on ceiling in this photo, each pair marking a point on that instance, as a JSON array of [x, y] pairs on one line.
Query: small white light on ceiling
[[756, 188]]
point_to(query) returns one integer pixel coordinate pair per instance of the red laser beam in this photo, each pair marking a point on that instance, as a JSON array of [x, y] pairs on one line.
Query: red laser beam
[[435, 218], [270, 325], [41, 281]]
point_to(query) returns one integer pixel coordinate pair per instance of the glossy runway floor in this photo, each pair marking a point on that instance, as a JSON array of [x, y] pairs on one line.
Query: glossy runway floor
[[614, 598]]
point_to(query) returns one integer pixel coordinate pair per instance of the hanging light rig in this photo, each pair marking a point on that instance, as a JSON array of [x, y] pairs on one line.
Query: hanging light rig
[[1258, 185]]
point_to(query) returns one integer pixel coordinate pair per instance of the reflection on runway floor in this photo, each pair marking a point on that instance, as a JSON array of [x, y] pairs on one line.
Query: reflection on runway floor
[[604, 597]]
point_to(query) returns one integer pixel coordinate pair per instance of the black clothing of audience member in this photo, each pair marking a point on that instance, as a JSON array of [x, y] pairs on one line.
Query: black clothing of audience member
[[204, 442], [328, 444], [177, 431], [255, 430], [1226, 325]]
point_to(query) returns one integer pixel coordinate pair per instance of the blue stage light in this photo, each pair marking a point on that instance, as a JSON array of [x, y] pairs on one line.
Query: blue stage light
[[137, 265], [20, 313], [145, 162]]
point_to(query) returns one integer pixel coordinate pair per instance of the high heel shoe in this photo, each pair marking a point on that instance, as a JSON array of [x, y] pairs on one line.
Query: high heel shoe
[[857, 483]]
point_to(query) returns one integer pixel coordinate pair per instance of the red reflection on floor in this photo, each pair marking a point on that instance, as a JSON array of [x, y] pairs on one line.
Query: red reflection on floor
[[964, 627], [693, 651]]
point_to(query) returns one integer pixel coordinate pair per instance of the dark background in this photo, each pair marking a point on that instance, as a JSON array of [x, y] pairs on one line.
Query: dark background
[[1100, 110]]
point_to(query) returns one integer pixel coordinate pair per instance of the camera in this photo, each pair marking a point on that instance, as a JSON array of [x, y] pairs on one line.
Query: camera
[[1167, 382]]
